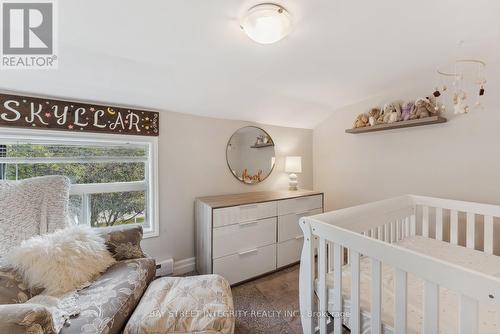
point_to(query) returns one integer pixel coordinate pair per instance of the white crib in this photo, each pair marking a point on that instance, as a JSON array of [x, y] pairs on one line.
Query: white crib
[[381, 233]]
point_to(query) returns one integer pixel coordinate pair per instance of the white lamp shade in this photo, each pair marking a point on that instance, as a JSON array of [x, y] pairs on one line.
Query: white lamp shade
[[266, 23], [293, 165]]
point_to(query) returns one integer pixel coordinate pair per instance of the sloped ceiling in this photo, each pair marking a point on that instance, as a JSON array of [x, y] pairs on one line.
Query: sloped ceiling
[[190, 56]]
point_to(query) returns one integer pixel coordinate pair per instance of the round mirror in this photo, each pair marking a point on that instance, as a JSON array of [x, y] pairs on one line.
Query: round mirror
[[250, 154]]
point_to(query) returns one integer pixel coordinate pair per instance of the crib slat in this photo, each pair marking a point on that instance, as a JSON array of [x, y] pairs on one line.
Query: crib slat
[[355, 315], [323, 301], [431, 308], [454, 227], [398, 230], [488, 234], [387, 230], [329, 251], [471, 230], [393, 232], [425, 221], [380, 232], [468, 315], [439, 224], [413, 225], [400, 298], [376, 302], [407, 226], [337, 287]]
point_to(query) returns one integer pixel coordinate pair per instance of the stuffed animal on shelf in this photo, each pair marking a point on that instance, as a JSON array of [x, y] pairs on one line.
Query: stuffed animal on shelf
[[361, 121], [407, 110], [424, 107], [373, 116], [392, 112]]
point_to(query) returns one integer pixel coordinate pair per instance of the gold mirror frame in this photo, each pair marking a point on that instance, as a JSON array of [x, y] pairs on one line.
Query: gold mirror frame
[[227, 158]]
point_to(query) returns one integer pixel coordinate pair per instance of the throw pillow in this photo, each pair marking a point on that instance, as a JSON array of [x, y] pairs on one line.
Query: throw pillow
[[61, 261], [124, 242], [12, 289]]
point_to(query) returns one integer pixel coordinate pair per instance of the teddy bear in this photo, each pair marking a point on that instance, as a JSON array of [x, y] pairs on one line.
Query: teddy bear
[[373, 116], [391, 112], [424, 107], [361, 121], [407, 110]]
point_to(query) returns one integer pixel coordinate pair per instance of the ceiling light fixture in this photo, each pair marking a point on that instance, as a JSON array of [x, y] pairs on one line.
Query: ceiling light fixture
[[266, 23]]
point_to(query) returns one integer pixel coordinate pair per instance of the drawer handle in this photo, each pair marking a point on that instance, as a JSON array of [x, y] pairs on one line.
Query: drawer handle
[[303, 213], [247, 223], [299, 237], [248, 251], [249, 206]]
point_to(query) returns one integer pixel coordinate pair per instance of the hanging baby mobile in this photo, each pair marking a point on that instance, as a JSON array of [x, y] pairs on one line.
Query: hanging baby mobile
[[463, 87], [467, 84]]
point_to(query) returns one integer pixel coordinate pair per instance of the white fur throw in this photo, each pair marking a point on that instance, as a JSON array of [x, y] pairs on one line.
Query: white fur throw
[[31, 207], [61, 261]]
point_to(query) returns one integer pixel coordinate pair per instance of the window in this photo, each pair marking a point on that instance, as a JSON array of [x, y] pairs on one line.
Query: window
[[112, 180]]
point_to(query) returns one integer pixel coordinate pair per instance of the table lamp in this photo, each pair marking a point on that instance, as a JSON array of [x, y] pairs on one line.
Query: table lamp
[[293, 165]]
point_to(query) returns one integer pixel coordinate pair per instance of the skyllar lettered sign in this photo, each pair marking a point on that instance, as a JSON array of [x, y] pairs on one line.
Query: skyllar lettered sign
[[41, 113]]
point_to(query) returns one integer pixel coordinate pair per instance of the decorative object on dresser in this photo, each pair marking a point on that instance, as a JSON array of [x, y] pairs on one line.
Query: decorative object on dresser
[[293, 165], [250, 154], [242, 236]]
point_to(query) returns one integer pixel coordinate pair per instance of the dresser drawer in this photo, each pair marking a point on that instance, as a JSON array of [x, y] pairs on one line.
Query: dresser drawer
[[243, 213], [300, 204], [289, 251], [241, 237], [288, 225], [242, 266]]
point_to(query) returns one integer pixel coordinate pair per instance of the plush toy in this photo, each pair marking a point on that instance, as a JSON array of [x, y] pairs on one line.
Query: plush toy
[[407, 110], [460, 105], [392, 112], [423, 108], [373, 116], [361, 121]]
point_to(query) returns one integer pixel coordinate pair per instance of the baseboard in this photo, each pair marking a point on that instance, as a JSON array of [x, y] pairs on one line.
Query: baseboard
[[184, 266]]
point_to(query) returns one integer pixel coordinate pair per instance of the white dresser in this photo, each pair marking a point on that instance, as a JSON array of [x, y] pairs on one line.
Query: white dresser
[[242, 236]]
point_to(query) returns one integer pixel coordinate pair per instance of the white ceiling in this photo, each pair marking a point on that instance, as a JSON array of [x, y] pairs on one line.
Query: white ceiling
[[190, 56]]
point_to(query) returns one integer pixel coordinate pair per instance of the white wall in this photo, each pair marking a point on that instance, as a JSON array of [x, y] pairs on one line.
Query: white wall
[[459, 159], [192, 163]]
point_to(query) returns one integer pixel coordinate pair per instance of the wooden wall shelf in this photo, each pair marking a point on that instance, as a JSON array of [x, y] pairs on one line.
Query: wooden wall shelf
[[399, 125]]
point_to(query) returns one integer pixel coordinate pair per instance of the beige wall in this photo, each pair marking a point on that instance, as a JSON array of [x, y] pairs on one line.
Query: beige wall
[[192, 163], [459, 159]]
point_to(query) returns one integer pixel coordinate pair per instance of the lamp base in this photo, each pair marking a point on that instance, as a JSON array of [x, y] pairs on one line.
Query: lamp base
[[292, 182]]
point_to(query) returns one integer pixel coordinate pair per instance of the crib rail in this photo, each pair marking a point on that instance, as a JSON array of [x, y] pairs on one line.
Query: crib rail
[[370, 230]]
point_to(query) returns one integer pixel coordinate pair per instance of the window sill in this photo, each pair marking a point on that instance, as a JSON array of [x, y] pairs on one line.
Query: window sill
[[150, 234]]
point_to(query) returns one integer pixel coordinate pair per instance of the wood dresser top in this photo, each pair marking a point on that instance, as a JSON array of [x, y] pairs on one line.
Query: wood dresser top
[[222, 201]]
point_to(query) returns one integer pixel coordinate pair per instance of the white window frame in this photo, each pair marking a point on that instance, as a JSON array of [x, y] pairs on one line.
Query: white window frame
[[151, 182]]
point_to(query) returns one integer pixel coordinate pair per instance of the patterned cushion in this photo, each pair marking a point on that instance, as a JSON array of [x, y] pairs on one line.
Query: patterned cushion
[[26, 319], [124, 242], [198, 304], [12, 289], [109, 301]]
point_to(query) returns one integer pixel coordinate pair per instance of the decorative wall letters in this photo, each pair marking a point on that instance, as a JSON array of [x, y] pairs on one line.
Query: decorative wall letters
[[40, 113]]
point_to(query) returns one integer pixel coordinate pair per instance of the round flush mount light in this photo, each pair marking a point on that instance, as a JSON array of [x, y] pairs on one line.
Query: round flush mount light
[[266, 23]]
